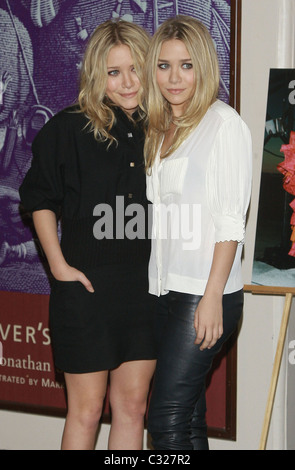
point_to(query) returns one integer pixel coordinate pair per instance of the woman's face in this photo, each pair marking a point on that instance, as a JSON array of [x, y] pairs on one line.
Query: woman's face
[[175, 75], [122, 82]]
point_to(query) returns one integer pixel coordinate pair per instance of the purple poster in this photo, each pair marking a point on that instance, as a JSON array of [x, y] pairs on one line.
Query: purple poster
[[42, 44]]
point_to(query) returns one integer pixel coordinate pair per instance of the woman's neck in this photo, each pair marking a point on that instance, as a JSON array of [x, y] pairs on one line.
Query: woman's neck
[[168, 139]]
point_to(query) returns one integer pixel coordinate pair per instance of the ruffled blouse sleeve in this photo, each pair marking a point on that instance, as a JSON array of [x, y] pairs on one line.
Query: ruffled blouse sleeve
[[43, 185], [228, 179]]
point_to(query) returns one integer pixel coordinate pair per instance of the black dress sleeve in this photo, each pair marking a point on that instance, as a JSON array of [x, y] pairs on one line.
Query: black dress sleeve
[[43, 185]]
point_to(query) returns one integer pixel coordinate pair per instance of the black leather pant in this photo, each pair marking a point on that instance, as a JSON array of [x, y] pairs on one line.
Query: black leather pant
[[176, 417]]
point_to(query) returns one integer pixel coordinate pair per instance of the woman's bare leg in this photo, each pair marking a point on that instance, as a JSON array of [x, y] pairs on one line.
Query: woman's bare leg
[[86, 394], [129, 388]]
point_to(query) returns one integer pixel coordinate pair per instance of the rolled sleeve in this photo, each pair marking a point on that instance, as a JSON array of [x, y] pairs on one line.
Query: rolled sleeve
[[43, 185], [229, 177]]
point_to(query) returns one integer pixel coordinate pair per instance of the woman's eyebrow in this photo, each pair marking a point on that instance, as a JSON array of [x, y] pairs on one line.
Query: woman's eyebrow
[[181, 60]]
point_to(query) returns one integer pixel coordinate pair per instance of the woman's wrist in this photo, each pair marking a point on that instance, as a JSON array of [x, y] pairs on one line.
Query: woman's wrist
[[58, 268], [215, 290]]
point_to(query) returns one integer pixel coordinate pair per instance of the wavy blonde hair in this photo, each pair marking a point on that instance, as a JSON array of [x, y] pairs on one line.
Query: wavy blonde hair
[[93, 77], [204, 59]]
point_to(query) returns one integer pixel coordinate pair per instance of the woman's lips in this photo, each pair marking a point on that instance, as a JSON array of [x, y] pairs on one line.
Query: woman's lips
[[175, 91], [129, 95]]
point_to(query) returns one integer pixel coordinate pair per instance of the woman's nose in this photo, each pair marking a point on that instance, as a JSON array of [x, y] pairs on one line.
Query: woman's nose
[[127, 80], [174, 75]]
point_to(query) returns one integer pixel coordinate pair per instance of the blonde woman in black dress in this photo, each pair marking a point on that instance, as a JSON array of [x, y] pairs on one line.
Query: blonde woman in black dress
[[88, 167]]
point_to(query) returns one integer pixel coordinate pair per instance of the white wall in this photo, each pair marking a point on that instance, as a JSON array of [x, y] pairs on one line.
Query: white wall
[[267, 42]]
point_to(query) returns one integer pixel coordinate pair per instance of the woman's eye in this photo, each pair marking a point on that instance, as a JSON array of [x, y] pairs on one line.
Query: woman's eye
[[187, 66], [163, 66], [113, 73]]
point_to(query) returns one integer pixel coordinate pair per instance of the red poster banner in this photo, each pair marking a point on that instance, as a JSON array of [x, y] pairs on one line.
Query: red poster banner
[[27, 374]]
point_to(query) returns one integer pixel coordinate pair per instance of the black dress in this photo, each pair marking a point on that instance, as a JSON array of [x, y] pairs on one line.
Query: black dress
[[99, 191]]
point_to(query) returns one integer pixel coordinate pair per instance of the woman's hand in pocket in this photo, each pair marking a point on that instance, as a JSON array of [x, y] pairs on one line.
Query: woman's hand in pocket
[[68, 273]]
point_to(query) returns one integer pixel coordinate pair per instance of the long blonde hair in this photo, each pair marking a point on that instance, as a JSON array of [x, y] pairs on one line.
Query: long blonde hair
[[202, 52], [93, 77]]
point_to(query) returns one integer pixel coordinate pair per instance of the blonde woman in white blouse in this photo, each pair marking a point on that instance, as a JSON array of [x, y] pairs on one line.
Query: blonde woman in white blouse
[[198, 163]]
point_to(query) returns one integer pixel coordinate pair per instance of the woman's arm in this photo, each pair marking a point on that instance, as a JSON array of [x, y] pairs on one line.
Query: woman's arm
[[46, 228], [209, 314], [228, 185]]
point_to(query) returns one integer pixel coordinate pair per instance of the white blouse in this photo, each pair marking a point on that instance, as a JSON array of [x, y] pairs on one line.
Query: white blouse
[[200, 196]]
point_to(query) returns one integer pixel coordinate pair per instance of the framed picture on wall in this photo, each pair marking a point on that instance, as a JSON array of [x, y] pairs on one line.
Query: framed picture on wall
[[274, 254]]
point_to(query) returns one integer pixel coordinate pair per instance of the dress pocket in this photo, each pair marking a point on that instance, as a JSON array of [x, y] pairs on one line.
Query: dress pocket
[[68, 304], [172, 176]]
